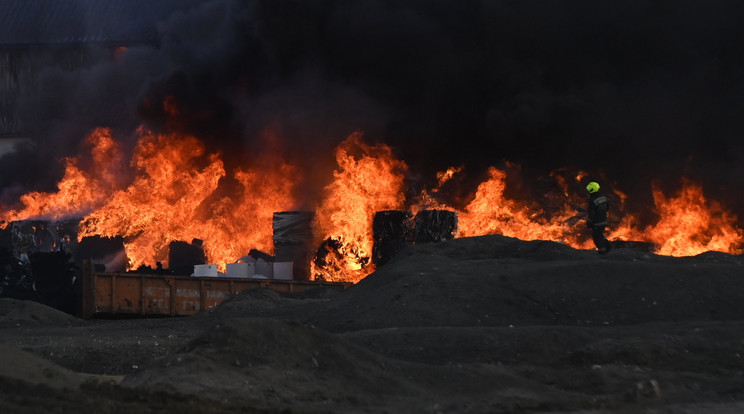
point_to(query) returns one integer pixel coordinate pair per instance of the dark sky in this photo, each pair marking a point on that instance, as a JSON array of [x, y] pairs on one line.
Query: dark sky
[[629, 91]]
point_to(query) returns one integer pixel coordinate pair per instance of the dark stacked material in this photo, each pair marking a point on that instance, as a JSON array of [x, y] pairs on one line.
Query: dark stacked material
[[182, 256], [392, 232], [29, 236], [50, 278], [293, 233], [435, 226], [55, 280]]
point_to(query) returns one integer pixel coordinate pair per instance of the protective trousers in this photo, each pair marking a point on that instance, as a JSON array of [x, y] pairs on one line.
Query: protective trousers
[[603, 245]]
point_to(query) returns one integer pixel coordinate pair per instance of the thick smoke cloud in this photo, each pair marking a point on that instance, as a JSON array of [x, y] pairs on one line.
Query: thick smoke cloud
[[629, 91]]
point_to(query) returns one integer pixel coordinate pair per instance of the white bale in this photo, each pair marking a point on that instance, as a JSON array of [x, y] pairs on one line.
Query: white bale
[[205, 270], [241, 269]]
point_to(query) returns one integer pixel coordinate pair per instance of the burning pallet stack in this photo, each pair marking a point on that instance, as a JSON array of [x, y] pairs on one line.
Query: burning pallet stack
[[293, 235]]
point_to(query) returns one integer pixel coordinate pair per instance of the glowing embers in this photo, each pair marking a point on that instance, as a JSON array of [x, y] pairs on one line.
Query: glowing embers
[[392, 231]]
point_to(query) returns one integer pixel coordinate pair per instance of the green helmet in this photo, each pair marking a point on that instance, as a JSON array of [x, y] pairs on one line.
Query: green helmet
[[592, 187]]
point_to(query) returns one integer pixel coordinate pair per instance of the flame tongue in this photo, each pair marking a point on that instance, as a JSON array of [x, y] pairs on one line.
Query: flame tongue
[[689, 225], [368, 180], [162, 202], [491, 212], [79, 191], [179, 192], [175, 196]]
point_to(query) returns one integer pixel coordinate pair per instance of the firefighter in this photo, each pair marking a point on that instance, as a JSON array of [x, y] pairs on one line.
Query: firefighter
[[596, 219]]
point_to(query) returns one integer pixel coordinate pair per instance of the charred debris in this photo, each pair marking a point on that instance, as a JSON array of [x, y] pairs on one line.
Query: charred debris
[[41, 260]]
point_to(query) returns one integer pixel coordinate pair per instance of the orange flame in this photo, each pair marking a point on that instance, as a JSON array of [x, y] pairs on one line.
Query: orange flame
[[78, 191], [444, 176], [175, 197], [428, 199], [178, 191], [689, 224], [491, 212], [368, 180]]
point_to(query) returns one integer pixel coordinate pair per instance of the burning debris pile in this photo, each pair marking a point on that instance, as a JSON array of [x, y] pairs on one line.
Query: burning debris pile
[[225, 144], [188, 159], [27, 237], [36, 262], [182, 207], [42, 259]]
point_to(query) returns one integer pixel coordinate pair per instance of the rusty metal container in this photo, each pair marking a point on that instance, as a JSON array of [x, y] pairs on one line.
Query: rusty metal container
[[171, 295]]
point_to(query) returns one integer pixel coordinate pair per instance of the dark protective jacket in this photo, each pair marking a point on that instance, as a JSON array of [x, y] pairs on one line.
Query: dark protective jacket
[[597, 209]]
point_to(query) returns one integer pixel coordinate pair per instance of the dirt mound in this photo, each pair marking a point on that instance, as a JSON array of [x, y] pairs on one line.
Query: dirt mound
[[267, 362], [252, 300], [25, 312], [473, 325], [271, 360], [265, 301], [498, 281], [21, 365]]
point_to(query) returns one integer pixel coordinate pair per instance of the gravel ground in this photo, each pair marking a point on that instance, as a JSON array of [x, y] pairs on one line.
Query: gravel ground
[[472, 325]]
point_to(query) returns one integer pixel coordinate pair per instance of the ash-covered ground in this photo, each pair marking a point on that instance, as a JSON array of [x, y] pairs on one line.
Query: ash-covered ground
[[472, 325]]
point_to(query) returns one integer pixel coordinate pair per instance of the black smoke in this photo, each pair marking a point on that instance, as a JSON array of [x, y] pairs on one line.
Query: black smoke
[[632, 92]]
